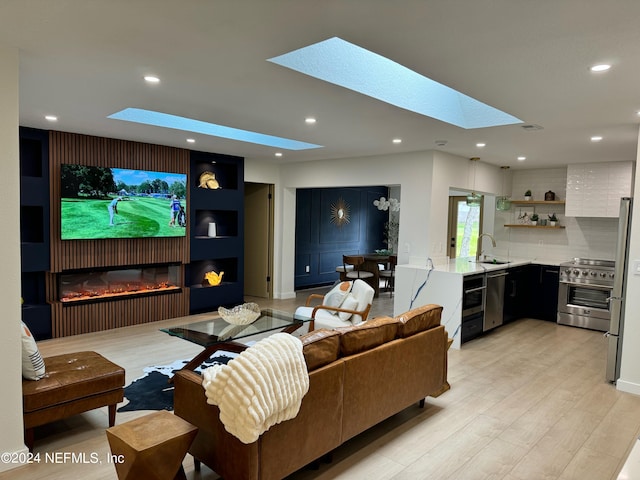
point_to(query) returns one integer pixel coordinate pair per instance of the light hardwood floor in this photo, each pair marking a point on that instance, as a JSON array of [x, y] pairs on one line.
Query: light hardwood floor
[[528, 401]]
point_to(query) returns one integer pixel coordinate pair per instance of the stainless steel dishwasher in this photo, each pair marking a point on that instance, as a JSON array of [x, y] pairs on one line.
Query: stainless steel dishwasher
[[494, 305]]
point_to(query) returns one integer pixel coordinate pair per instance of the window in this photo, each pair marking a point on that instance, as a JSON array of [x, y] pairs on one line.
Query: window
[[464, 227]]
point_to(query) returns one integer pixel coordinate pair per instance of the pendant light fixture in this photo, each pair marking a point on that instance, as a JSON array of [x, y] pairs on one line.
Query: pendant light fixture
[[473, 199], [503, 202]]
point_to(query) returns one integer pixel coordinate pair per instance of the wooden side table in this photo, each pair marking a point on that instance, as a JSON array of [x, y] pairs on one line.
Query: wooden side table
[[151, 447]]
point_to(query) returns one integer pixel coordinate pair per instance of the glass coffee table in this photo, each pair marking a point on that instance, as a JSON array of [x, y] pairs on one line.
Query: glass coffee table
[[216, 334]]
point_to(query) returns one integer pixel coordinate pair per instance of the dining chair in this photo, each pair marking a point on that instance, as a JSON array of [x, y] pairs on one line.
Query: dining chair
[[389, 274], [356, 262]]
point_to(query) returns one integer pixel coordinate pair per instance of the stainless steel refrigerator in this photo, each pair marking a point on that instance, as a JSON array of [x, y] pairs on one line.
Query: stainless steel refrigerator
[[617, 299]]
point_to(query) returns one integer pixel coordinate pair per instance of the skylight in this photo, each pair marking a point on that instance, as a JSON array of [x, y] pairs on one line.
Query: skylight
[[158, 119], [350, 66]]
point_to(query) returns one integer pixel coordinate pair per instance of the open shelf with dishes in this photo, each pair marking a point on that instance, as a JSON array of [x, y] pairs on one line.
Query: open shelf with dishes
[[537, 202], [515, 225], [527, 212]]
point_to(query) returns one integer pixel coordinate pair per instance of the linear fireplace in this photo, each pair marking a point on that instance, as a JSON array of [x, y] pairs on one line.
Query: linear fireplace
[[116, 283]]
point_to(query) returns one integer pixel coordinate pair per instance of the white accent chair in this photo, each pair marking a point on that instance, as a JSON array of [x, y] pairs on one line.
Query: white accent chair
[[353, 310]]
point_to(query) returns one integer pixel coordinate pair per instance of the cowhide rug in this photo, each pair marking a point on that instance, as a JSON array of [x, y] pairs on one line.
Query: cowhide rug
[[153, 391]]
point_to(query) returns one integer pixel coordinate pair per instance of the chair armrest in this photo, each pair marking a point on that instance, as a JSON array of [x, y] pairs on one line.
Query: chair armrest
[[337, 310], [313, 296]]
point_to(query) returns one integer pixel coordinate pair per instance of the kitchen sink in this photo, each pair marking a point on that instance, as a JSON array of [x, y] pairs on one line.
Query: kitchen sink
[[494, 262]]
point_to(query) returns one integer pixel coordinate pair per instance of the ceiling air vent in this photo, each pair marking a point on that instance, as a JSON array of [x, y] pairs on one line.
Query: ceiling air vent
[[531, 127]]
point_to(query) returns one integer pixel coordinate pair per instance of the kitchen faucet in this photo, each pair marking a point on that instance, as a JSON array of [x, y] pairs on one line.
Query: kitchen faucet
[[493, 242]]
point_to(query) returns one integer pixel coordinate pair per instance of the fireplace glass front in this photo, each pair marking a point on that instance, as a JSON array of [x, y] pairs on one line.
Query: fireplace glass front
[[94, 285]]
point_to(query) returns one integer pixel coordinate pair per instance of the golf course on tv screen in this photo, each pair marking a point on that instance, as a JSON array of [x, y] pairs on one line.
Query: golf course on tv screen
[[99, 202]]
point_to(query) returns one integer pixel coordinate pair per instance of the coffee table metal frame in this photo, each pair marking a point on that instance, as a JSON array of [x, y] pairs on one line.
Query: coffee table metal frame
[[217, 334]]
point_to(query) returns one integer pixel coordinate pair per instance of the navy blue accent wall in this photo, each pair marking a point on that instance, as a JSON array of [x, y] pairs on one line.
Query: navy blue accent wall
[[320, 244]]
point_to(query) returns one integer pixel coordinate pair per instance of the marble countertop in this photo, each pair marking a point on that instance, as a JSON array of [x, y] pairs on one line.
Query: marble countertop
[[468, 266]]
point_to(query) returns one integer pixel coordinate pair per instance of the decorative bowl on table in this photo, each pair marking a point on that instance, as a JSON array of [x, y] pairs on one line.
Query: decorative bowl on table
[[241, 314], [383, 251]]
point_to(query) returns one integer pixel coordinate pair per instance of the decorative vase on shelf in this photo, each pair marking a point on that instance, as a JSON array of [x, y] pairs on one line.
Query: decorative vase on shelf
[[552, 223]]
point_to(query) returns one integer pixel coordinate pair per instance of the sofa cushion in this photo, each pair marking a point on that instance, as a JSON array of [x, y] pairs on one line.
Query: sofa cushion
[[367, 335], [418, 320], [320, 347]]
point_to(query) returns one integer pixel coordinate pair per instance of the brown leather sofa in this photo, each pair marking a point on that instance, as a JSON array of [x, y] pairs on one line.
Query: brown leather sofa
[[358, 376]]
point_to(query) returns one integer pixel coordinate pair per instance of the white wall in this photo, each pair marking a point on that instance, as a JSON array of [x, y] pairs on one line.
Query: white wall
[[630, 368], [11, 439], [423, 214]]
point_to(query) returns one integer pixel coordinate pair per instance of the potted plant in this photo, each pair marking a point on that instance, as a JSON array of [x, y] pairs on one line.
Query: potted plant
[[527, 195], [534, 219], [553, 219]]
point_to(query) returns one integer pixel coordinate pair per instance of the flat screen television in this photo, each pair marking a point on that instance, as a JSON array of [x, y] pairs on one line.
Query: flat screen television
[[100, 202]]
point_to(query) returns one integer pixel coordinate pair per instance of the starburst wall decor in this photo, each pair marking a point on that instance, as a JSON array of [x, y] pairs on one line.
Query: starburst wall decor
[[340, 213]]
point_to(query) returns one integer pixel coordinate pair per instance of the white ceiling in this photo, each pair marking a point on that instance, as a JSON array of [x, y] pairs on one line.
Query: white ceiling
[[83, 60]]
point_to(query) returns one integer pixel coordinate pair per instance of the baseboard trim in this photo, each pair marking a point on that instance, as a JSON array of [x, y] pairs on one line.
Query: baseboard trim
[[285, 295], [628, 387], [21, 454]]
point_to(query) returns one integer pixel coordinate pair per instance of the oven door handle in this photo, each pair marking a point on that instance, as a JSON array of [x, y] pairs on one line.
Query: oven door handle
[[587, 285], [471, 290]]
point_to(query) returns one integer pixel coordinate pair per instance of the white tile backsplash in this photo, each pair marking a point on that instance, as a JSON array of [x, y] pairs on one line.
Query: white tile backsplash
[[594, 190], [582, 236]]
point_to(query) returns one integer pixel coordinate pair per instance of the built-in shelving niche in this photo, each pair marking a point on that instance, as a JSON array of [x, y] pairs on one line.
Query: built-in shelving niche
[[220, 202], [34, 230], [227, 293]]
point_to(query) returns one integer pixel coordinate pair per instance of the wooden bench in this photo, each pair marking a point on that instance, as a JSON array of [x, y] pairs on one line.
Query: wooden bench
[[74, 383]]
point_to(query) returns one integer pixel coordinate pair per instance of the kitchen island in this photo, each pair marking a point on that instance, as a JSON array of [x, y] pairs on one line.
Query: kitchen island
[[417, 285]]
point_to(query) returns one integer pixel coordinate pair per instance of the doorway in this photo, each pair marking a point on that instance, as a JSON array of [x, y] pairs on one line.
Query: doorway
[[465, 226], [258, 240]]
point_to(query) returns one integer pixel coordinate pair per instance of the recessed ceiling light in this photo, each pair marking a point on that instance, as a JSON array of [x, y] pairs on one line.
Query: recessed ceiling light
[[522, 159], [397, 140], [310, 120], [51, 118], [191, 140], [597, 138], [480, 145], [350, 66], [166, 120], [278, 154], [603, 67], [151, 79]]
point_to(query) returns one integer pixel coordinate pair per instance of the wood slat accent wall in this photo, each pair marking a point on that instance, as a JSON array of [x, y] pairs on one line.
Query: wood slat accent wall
[[80, 149], [95, 317], [106, 152]]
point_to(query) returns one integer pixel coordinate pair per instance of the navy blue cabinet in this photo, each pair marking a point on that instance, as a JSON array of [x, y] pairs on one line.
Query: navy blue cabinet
[[34, 229], [517, 292]]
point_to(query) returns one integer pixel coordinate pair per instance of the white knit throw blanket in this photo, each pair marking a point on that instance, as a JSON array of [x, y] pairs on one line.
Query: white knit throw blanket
[[261, 387]]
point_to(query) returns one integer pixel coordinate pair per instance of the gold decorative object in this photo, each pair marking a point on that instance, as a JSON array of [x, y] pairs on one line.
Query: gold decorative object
[[208, 180], [213, 278], [241, 314], [340, 213]]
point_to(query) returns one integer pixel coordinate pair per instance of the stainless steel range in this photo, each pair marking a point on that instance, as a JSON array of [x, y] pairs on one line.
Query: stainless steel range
[[584, 293]]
